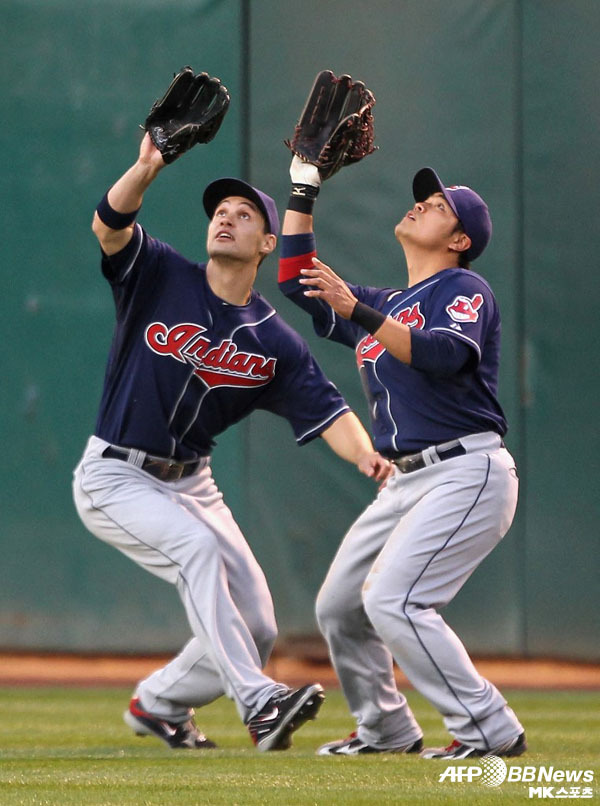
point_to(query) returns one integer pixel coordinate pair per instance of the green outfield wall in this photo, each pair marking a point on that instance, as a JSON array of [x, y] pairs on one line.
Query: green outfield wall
[[502, 95]]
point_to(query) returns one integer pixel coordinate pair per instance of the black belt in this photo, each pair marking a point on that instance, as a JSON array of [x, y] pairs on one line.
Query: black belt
[[416, 461], [162, 469]]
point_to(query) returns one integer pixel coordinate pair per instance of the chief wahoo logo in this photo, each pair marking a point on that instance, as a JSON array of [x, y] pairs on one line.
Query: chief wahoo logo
[[465, 309], [369, 349]]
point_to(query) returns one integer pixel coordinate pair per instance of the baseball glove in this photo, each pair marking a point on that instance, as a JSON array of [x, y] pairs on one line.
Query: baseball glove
[[190, 112], [336, 125]]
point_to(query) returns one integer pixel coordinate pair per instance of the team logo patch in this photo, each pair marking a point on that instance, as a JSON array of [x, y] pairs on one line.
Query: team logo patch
[[412, 316], [465, 309], [369, 349], [221, 365]]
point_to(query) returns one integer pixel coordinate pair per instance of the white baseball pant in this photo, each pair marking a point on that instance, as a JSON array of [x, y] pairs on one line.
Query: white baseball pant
[[183, 532], [404, 559]]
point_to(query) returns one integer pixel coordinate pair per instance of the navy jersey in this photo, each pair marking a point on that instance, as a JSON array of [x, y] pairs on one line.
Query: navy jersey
[[411, 408], [184, 364]]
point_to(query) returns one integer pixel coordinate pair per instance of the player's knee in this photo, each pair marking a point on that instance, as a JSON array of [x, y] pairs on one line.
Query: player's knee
[[372, 604], [339, 608], [335, 612], [328, 610], [384, 606], [322, 610]]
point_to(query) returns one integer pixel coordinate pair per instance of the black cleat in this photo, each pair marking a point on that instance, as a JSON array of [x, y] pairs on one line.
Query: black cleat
[[176, 735], [353, 746], [457, 750], [271, 728]]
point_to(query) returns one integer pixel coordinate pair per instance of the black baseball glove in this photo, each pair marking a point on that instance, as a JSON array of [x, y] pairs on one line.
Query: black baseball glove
[[336, 125], [190, 112]]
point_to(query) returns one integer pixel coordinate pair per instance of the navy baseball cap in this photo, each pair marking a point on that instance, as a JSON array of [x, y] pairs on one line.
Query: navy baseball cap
[[228, 186], [468, 206]]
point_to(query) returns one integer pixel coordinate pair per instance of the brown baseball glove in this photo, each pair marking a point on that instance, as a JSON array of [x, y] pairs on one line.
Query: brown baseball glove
[[336, 125]]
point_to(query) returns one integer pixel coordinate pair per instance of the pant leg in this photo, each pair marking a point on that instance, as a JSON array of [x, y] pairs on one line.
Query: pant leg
[[246, 580], [363, 664], [145, 519], [190, 679], [457, 513]]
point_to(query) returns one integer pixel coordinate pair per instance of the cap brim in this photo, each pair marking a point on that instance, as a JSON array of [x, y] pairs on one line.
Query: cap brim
[[426, 183], [229, 186]]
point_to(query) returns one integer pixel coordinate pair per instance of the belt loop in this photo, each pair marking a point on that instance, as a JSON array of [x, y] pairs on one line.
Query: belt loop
[[430, 456], [136, 457]]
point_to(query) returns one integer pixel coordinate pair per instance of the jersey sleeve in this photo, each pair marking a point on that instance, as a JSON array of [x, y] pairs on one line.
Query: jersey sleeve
[[464, 308], [438, 353], [301, 393], [297, 252], [117, 268], [136, 271]]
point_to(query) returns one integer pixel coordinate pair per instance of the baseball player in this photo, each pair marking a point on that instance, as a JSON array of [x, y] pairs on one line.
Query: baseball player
[[196, 349], [428, 357]]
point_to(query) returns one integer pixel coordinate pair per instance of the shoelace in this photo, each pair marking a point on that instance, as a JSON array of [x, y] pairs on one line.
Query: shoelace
[[452, 746]]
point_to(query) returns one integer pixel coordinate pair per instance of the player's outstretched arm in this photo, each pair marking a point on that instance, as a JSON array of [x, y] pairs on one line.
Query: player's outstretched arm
[[306, 183], [190, 112], [348, 439], [125, 198], [323, 283]]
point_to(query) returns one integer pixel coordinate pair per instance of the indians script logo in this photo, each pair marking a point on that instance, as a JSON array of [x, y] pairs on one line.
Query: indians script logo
[[369, 349], [221, 365], [464, 309]]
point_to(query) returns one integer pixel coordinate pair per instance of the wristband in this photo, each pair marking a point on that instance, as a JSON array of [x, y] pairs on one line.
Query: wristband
[[112, 218], [302, 198], [367, 317]]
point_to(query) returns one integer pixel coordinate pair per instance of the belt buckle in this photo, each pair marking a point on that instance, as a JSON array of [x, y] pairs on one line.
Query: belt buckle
[[166, 470], [173, 471], [414, 462], [410, 463]]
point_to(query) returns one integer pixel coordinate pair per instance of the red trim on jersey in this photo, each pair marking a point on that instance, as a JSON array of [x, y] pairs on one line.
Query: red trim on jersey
[[289, 267]]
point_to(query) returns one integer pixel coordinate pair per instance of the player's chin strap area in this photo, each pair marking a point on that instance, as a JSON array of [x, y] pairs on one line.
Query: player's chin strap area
[[485, 441], [157, 466]]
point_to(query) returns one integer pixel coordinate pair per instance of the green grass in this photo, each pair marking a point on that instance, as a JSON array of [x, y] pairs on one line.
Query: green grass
[[69, 746]]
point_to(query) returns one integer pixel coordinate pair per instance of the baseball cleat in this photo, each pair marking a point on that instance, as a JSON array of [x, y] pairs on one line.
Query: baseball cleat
[[271, 728], [458, 750], [176, 735], [353, 746]]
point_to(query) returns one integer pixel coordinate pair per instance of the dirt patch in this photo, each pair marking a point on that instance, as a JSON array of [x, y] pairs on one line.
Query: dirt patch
[[28, 669]]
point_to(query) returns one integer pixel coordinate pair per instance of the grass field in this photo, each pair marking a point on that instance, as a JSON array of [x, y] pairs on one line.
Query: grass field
[[69, 746]]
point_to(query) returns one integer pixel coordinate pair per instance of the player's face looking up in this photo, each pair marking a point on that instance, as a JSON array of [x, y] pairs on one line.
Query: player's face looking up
[[237, 231], [432, 225]]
